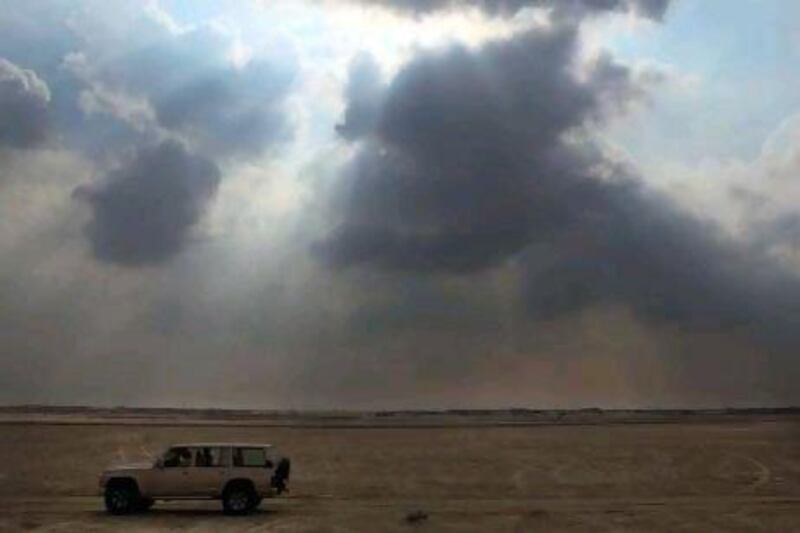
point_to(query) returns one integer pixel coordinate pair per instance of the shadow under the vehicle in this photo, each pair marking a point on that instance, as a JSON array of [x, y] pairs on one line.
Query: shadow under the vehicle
[[157, 512]]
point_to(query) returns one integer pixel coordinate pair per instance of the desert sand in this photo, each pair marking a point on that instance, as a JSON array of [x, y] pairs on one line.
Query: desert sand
[[510, 472]]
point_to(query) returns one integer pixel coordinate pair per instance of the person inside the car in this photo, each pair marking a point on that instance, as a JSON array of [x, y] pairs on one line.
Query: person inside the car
[[185, 457]]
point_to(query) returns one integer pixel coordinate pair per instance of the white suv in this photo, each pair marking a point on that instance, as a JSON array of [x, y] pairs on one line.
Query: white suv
[[238, 474]]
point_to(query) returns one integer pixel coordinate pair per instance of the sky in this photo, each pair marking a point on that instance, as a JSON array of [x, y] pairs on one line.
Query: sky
[[400, 204]]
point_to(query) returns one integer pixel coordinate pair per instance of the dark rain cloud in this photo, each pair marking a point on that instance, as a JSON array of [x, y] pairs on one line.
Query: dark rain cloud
[[475, 158], [465, 164], [628, 245], [144, 210], [224, 110], [24, 100]]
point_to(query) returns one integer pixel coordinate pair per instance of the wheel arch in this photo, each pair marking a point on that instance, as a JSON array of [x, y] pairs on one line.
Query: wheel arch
[[123, 481], [239, 482]]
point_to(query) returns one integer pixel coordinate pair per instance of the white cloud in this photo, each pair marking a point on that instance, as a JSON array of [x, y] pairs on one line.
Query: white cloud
[[737, 192]]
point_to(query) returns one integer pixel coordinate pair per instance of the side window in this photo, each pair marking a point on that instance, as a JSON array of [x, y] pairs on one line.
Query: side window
[[208, 457], [253, 457], [178, 457]]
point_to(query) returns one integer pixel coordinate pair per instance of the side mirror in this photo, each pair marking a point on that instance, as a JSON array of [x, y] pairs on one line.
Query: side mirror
[[160, 463]]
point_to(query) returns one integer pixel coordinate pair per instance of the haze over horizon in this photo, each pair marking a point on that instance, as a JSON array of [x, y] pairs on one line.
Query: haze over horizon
[[400, 204]]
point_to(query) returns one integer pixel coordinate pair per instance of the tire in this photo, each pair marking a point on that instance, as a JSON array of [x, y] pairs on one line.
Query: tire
[[121, 498], [239, 499]]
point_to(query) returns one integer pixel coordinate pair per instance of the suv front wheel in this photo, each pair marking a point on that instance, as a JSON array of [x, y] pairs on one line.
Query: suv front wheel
[[121, 497], [239, 498]]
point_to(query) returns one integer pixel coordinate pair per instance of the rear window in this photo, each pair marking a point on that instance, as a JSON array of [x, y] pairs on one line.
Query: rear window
[[249, 457]]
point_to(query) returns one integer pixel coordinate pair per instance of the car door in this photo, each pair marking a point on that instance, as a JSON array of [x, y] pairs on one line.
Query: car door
[[173, 474], [210, 469]]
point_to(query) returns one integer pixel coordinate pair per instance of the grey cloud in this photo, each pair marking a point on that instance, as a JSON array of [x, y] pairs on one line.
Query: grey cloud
[[364, 93], [654, 9], [230, 111], [93, 51], [198, 92], [781, 230], [144, 210], [24, 100], [38, 36]]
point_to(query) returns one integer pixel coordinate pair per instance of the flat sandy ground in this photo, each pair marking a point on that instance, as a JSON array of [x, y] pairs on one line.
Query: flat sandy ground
[[695, 475]]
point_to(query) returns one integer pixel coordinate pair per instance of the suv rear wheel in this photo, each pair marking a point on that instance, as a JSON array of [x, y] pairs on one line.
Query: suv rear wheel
[[239, 498], [121, 497]]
